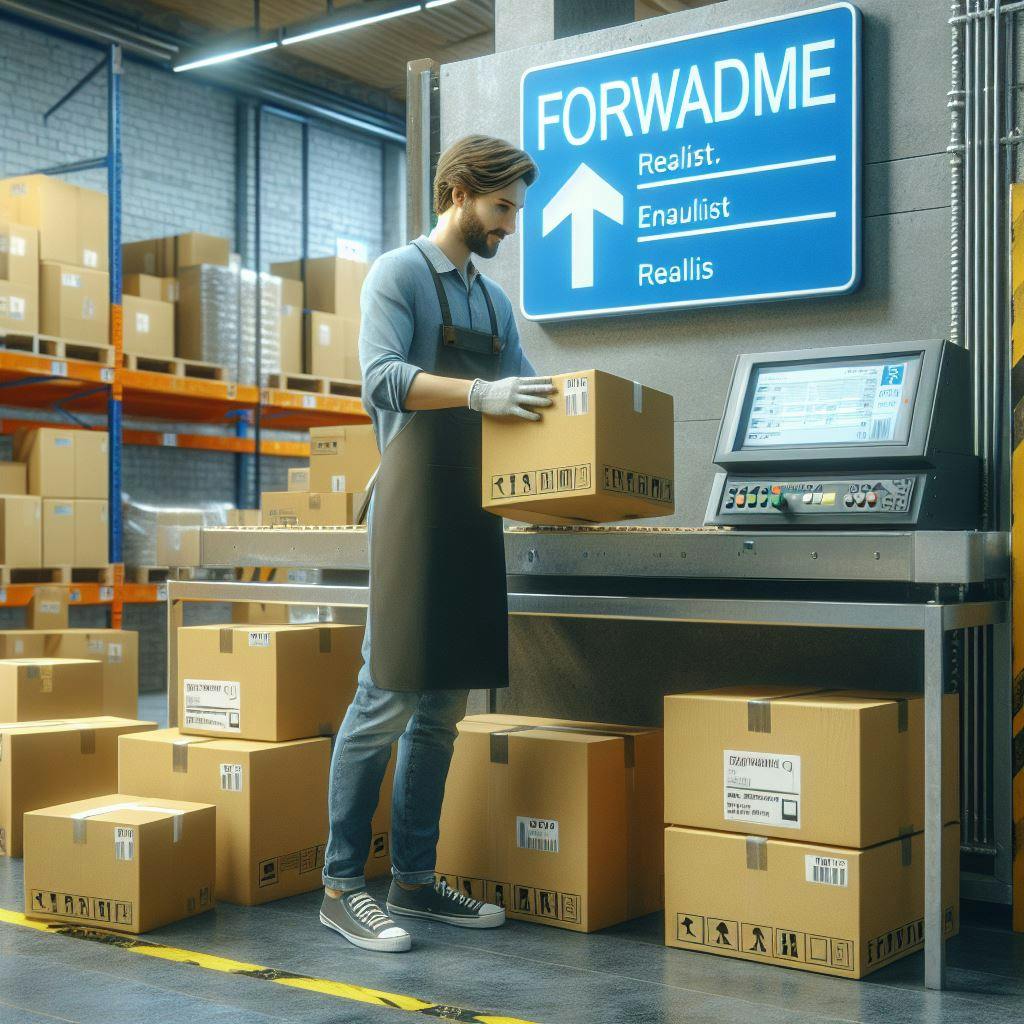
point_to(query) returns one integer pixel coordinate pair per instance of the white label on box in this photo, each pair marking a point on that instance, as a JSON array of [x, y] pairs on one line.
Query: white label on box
[[827, 870], [94, 645], [161, 592], [106, 593], [124, 843], [63, 510], [231, 778], [338, 482], [170, 440], [71, 280], [259, 638], [142, 323], [350, 249], [18, 246], [323, 334], [577, 396], [107, 375], [115, 653], [213, 704], [58, 368], [17, 308], [309, 401], [762, 788], [62, 442], [88, 309], [537, 834], [19, 644], [90, 258], [49, 607]]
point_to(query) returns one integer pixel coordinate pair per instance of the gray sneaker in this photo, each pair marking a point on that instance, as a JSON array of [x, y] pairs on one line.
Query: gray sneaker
[[358, 917], [438, 902]]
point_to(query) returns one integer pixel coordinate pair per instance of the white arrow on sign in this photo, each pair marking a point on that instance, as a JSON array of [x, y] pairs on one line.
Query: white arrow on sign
[[582, 197]]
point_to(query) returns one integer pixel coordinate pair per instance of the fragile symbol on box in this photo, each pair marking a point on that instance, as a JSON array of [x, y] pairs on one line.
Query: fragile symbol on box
[[541, 481], [640, 485]]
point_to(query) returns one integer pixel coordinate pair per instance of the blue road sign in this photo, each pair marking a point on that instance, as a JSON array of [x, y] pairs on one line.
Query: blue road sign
[[717, 168]]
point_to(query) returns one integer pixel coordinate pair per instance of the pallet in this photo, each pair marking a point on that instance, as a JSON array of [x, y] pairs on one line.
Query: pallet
[[148, 573], [58, 574], [85, 350], [311, 385], [174, 367]]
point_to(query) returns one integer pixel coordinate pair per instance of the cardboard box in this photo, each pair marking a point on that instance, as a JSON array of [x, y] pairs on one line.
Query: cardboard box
[[602, 453], [13, 478], [92, 464], [243, 517], [838, 767], [291, 327], [815, 907], [92, 538], [271, 801], [120, 862], [177, 538], [309, 508], [149, 327], [298, 478], [273, 683], [19, 307], [332, 285], [21, 534], [93, 230], [342, 458], [32, 689], [117, 651], [559, 822], [74, 303], [22, 643], [258, 613], [48, 609], [50, 455], [331, 346], [85, 749], [58, 531], [164, 257], [19, 254], [51, 206]]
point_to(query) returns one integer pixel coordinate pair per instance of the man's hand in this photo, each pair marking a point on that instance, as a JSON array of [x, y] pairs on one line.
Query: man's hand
[[513, 396]]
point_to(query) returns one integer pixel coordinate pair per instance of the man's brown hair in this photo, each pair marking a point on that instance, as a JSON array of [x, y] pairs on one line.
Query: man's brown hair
[[479, 164]]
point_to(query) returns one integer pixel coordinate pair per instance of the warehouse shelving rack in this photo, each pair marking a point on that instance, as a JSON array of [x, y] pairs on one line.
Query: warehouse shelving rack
[[70, 386]]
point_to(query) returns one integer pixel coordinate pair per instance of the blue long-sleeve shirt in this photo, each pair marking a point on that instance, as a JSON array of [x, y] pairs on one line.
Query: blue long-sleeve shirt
[[399, 329]]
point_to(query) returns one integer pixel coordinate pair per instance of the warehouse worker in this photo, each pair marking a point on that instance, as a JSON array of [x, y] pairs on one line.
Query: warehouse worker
[[439, 348]]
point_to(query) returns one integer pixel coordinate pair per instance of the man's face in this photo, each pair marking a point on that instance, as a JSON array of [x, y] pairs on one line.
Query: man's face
[[486, 219]]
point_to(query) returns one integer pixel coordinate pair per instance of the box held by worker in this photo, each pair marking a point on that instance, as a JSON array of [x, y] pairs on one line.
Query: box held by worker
[[342, 458], [843, 767], [120, 862], [811, 906], [48, 688], [603, 452], [270, 683]]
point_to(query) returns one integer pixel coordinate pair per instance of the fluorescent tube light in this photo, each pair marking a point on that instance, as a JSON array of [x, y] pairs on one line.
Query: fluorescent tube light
[[344, 26], [436, 3], [220, 58]]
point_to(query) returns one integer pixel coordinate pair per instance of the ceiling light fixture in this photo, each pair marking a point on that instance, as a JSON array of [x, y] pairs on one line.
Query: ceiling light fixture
[[222, 55], [354, 17]]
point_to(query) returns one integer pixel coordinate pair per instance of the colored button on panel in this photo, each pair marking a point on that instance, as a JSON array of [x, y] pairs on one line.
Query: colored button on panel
[[741, 499], [808, 498], [828, 498], [872, 499], [817, 498]]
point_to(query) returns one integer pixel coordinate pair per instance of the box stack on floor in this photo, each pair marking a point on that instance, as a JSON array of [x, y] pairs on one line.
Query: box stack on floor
[[796, 826]]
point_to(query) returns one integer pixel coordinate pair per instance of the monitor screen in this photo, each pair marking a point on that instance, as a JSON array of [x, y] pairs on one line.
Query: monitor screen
[[839, 402]]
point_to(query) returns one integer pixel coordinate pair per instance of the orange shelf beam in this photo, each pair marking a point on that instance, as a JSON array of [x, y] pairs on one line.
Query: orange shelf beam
[[299, 410], [18, 595]]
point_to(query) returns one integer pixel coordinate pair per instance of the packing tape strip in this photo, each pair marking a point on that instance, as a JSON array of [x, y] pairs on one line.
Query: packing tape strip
[[79, 818], [638, 397], [757, 853], [227, 640], [87, 741]]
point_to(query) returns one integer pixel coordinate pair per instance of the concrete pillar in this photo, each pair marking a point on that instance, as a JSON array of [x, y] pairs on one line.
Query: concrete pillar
[[529, 22]]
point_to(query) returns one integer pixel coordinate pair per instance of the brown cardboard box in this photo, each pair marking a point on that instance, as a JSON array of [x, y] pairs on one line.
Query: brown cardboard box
[[271, 801], [332, 285], [149, 327], [48, 609], [342, 458], [164, 257], [50, 455], [19, 254], [22, 643], [19, 307], [602, 453], [243, 517], [121, 862], [46, 688], [92, 466], [85, 749], [814, 907], [310, 508], [260, 613], [559, 822], [74, 303], [298, 478], [331, 346], [51, 206], [837, 767], [291, 327], [145, 286], [58, 531], [273, 683], [92, 546], [21, 533], [177, 538], [13, 478], [93, 230]]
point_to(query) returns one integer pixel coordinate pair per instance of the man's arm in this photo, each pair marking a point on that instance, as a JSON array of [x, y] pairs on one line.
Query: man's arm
[[431, 392]]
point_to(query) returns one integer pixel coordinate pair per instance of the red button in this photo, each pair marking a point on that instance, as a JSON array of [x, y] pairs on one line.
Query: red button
[[872, 498]]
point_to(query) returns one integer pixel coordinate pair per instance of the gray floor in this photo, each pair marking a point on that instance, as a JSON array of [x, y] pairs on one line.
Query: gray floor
[[620, 976]]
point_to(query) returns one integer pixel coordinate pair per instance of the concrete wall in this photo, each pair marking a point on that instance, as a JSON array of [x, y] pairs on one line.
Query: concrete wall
[[620, 672]]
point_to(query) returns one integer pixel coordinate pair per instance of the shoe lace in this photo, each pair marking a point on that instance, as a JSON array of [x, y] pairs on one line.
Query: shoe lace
[[448, 893], [367, 912]]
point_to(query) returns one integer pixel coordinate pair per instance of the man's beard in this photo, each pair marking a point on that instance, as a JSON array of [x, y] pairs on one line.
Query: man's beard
[[475, 235]]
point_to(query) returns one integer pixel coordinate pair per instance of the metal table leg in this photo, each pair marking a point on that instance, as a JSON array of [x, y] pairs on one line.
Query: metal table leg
[[175, 619], [934, 689]]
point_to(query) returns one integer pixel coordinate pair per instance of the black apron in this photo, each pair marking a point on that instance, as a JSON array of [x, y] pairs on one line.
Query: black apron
[[438, 598]]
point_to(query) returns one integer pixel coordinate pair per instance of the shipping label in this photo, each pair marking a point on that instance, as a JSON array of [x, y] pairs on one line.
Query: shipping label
[[537, 834], [762, 788], [338, 483], [90, 258], [259, 638], [115, 653], [827, 870], [213, 704], [71, 280], [124, 842], [231, 778], [142, 323], [577, 396]]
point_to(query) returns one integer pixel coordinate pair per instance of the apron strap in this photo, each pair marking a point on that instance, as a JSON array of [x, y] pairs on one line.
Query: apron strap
[[490, 308], [446, 312]]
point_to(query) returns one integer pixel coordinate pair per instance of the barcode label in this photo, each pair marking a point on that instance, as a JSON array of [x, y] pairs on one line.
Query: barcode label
[[124, 843], [827, 870], [577, 396], [881, 430], [231, 778], [537, 834]]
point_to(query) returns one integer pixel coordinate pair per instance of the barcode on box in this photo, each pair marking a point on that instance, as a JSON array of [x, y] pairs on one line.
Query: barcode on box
[[827, 870], [124, 843], [539, 834], [577, 396], [231, 778]]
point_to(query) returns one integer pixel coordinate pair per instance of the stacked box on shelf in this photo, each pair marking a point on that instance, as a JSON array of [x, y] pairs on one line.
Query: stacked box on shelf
[[19, 277], [33, 689]]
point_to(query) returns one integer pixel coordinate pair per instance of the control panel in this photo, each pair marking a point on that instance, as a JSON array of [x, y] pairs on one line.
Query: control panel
[[840, 497]]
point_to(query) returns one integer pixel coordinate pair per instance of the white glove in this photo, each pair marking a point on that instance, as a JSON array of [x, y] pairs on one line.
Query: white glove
[[512, 396]]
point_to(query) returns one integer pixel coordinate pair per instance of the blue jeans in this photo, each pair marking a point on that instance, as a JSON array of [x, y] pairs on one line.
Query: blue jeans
[[424, 725]]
